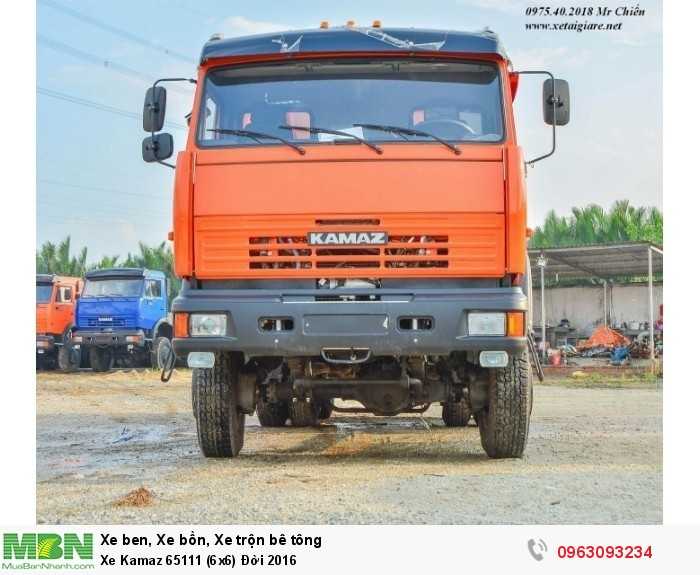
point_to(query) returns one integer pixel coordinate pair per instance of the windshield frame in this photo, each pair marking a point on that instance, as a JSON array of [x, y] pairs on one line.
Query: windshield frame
[[90, 281], [201, 101]]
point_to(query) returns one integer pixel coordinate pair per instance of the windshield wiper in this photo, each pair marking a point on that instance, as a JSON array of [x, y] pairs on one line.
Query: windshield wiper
[[409, 132], [257, 136], [317, 130]]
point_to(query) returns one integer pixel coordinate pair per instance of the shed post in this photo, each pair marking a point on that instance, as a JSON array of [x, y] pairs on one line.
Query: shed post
[[605, 303], [651, 308], [542, 316]]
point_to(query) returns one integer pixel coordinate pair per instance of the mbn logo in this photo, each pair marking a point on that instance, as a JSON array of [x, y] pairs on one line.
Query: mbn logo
[[47, 546]]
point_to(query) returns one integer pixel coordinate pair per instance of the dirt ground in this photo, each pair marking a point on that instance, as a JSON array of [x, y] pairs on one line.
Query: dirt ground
[[121, 448]]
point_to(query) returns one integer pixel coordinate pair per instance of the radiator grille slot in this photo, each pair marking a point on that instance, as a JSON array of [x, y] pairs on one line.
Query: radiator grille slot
[[293, 252]]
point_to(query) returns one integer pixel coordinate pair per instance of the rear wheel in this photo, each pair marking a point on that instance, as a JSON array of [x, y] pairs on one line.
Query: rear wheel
[[303, 413], [325, 409], [68, 359], [456, 413], [272, 413], [505, 422], [220, 424], [101, 358]]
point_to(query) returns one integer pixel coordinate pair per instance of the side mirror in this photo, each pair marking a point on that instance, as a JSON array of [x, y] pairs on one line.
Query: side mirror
[[157, 148], [556, 109], [154, 109]]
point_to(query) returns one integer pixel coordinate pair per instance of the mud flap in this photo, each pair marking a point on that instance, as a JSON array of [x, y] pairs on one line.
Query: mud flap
[[534, 358]]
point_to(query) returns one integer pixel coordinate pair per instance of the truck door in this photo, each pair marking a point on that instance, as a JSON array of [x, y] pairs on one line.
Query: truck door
[[62, 313], [153, 301]]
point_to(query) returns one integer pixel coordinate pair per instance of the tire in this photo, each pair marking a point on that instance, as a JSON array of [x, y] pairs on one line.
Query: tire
[[220, 425], [456, 413], [505, 422], [272, 414], [303, 413], [42, 363], [325, 409], [68, 359], [161, 350], [101, 359]]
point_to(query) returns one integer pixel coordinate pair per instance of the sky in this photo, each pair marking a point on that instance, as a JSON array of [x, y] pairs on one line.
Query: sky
[[96, 58]]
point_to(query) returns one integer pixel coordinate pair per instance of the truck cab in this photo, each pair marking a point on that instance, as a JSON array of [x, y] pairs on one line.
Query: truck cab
[[56, 297], [123, 316], [350, 224]]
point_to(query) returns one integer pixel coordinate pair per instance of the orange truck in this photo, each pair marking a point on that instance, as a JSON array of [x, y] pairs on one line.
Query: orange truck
[[55, 312], [350, 224]]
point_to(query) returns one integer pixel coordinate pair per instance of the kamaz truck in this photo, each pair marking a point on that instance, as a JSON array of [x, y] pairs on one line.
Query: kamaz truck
[[122, 316], [349, 222], [55, 305]]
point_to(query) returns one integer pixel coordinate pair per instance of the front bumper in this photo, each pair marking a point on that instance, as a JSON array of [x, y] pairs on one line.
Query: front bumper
[[116, 338], [45, 344], [370, 325]]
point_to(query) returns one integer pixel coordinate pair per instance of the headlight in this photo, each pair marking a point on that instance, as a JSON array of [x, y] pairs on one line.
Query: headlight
[[491, 323], [207, 324]]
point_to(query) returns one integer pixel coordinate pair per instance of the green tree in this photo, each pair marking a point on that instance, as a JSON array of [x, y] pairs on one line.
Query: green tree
[[57, 259], [593, 225]]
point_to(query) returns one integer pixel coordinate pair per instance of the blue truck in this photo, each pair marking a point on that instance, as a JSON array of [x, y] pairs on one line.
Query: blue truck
[[122, 316]]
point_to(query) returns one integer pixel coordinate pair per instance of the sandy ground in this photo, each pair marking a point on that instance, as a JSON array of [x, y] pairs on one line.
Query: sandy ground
[[594, 456]]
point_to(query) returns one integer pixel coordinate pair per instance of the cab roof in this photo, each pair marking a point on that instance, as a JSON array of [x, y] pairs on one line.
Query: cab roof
[[53, 278], [122, 272], [355, 39]]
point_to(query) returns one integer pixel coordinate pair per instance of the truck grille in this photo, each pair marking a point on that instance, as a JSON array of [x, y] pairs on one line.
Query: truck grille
[[468, 245], [112, 322], [293, 252]]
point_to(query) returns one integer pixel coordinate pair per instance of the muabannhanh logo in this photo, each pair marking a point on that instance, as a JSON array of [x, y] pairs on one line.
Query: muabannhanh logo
[[26, 547]]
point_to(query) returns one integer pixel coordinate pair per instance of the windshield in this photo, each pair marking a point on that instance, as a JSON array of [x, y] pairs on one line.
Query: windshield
[[43, 293], [455, 101], [113, 287]]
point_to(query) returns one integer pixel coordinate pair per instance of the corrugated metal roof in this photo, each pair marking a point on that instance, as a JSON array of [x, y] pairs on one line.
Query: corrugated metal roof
[[356, 39], [603, 261]]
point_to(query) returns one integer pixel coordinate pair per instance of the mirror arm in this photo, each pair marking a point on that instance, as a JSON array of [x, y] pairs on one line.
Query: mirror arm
[[153, 105], [555, 101]]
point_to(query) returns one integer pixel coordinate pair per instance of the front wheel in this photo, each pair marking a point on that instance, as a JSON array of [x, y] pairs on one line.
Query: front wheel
[[504, 423], [101, 358], [220, 424], [68, 359], [161, 353]]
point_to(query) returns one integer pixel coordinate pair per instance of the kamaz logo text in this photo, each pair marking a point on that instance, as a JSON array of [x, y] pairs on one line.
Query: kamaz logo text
[[347, 238]]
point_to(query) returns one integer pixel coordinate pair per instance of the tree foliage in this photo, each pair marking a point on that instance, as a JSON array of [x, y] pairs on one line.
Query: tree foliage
[[593, 225]]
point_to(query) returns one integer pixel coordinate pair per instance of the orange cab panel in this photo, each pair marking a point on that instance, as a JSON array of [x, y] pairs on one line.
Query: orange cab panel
[[443, 214], [401, 180], [42, 318]]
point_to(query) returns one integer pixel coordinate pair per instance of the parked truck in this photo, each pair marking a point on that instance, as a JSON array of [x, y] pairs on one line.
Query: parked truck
[[122, 315], [55, 304], [350, 223]]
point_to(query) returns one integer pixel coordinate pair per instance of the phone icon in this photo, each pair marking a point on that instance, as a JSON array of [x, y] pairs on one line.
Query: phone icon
[[537, 548]]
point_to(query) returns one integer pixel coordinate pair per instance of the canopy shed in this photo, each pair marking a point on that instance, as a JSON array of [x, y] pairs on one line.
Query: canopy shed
[[606, 262]]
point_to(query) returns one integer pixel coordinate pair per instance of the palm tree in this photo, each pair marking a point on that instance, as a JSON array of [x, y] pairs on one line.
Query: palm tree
[[54, 259], [593, 225]]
